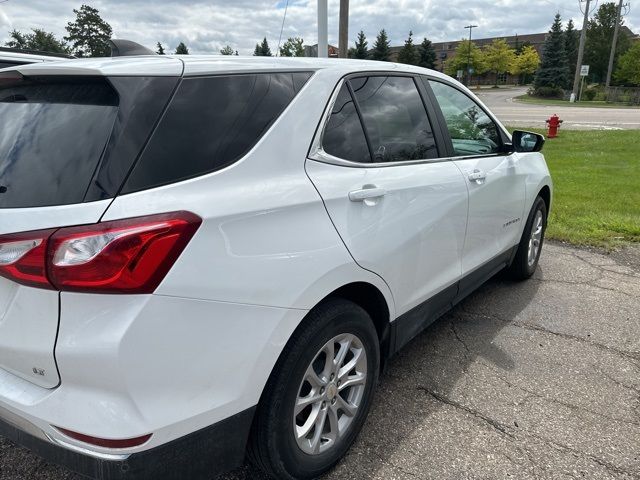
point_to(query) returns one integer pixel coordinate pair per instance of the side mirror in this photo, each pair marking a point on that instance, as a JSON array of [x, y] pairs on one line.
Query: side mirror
[[527, 141]]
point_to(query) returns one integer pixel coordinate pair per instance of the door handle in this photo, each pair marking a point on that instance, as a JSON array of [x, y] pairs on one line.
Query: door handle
[[366, 193], [477, 176]]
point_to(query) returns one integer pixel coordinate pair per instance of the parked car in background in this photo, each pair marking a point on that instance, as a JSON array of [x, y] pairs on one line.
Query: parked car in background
[[12, 57], [202, 256]]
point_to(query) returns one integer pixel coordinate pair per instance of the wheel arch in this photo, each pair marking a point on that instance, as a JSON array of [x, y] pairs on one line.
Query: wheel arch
[[545, 193]]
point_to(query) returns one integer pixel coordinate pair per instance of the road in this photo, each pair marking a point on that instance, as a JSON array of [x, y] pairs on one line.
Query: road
[[518, 114], [533, 380]]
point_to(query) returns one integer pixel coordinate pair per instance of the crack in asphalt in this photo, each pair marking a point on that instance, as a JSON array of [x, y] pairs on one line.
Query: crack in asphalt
[[503, 429], [631, 355], [571, 406]]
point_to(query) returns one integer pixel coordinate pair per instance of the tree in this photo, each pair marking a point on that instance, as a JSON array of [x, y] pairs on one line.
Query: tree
[[160, 50], [599, 37], [427, 54], [466, 54], [409, 53], [382, 47], [571, 40], [499, 57], [182, 49], [360, 51], [227, 50], [262, 49], [89, 34], [526, 63], [628, 71], [554, 69], [37, 40], [293, 47]]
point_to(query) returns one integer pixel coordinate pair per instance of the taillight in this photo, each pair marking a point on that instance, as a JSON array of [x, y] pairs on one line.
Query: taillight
[[23, 258], [121, 256]]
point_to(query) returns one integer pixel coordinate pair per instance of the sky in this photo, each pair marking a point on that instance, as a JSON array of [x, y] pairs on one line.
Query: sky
[[207, 26]]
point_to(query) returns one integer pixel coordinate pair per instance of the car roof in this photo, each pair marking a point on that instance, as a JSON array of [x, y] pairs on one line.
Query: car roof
[[196, 65]]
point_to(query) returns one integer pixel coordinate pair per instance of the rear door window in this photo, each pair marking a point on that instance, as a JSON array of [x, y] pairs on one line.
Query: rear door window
[[395, 118], [53, 133], [211, 123]]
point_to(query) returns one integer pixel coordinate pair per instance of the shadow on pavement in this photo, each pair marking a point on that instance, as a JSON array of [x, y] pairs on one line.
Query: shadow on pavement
[[420, 378]]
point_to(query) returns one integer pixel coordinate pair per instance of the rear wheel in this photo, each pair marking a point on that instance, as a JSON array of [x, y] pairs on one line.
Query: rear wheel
[[318, 397], [526, 260]]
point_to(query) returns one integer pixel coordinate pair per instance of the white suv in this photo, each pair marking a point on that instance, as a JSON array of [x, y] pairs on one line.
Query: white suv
[[204, 256]]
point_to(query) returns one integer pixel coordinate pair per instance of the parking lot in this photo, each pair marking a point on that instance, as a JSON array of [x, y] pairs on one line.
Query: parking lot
[[536, 380]]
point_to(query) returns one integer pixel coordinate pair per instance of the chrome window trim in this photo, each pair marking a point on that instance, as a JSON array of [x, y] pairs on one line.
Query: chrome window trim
[[318, 154]]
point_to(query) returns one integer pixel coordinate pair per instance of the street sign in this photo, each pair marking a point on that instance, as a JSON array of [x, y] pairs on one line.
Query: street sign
[[584, 70]]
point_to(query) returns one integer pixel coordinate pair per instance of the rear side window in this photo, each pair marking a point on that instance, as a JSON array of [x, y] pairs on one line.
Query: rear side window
[[211, 123], [395, 118], [343, 136], [53, 134]]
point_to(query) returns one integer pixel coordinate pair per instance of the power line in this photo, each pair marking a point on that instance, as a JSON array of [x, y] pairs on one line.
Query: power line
[[282, 27]]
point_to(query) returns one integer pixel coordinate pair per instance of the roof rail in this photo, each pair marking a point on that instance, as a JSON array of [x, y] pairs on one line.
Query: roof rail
[[35, 52], [125, 48]]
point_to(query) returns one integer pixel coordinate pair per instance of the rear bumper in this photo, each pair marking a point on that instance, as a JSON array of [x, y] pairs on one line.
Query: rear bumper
[[202, 454]]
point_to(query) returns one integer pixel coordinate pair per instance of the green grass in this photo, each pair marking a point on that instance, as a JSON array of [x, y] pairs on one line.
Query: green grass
[[596, 177], [565, 103]]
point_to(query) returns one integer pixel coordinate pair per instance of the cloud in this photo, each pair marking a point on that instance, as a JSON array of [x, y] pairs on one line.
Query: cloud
[[207, 26]]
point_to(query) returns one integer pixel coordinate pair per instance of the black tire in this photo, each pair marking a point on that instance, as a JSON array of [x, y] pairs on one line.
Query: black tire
[[272, 444], [521, 268]]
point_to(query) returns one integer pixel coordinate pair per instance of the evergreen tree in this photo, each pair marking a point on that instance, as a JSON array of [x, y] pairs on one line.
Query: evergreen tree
[[382, 47], [182, 49], [428, 55], [409, 53], [554, 70], [160, 50], [37, 40], [89, 34], [262, 49], [599, 37], [571, 40], [360, 51], [227, 50], [293, 47]]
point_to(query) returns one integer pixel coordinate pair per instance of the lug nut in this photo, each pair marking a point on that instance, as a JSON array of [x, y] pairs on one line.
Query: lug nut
[[322, 391], [333, 402], [324, 404], [332, 376]]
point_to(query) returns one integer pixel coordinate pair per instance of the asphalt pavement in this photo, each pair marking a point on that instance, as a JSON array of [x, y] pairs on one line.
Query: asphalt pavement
[[518, 114], [531, 380]]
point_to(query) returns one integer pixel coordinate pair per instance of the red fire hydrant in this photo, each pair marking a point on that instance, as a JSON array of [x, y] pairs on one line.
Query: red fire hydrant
[[553, 124]]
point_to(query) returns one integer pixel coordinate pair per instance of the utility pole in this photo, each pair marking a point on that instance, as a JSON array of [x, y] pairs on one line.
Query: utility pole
[[583, 39], [323, 40], [612, 56], [343, 40], [470, 27]]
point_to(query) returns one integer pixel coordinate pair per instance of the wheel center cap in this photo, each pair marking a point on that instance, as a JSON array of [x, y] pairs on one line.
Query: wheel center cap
[[332, 391]]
